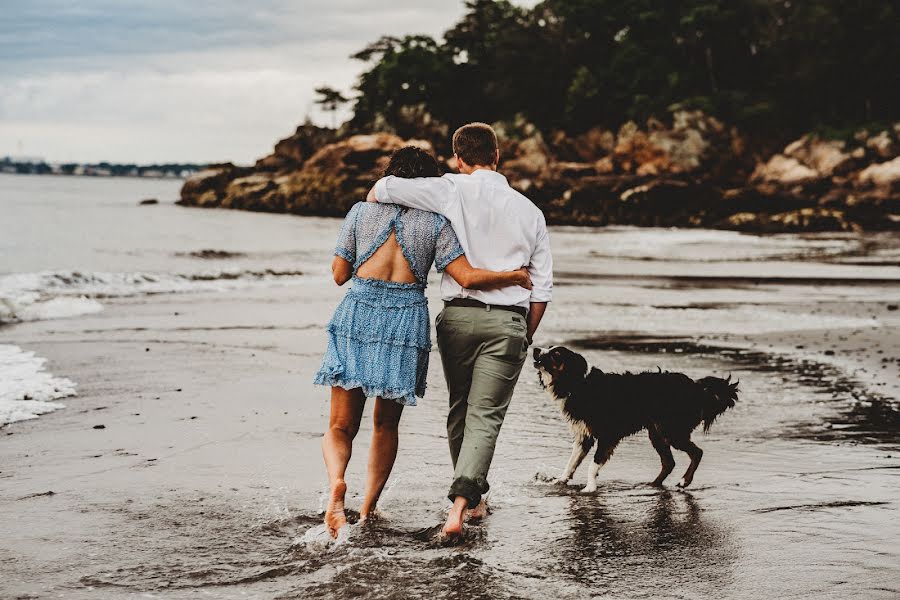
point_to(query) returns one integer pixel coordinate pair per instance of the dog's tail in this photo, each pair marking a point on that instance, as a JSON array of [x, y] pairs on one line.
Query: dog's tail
[[721, 395]]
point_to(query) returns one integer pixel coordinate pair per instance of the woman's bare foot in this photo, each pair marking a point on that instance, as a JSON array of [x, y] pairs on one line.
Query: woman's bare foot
[[479, 512], [334, 514], [372, 516]]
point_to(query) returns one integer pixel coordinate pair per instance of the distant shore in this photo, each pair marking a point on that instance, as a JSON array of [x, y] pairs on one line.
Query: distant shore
[[11, 166]]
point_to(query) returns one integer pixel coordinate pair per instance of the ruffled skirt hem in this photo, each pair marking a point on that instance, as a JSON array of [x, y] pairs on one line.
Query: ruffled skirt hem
[[379, 341]]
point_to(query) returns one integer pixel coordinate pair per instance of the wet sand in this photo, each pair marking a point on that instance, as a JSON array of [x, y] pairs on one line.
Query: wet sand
[[206, 477]]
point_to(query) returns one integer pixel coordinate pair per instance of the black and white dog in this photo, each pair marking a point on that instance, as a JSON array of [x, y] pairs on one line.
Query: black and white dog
[[607, 407]]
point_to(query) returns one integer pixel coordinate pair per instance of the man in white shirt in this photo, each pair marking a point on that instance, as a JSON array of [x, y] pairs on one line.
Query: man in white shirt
[[483, 335]]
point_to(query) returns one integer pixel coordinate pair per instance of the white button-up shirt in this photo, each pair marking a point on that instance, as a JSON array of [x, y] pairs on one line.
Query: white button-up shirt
[[499, 229]]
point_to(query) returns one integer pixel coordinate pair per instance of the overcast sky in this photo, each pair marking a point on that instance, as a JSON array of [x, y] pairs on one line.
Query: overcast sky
[[175, 80]]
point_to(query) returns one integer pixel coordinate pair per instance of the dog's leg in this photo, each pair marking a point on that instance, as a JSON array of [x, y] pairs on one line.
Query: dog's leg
[[686, 445], [665, 454], [601, 455], [580, 447]]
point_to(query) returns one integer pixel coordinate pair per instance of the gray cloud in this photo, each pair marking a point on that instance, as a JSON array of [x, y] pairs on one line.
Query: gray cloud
[[154, 80]]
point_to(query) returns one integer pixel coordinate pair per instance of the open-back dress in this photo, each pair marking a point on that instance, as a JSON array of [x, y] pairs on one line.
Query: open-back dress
[[379, 338]]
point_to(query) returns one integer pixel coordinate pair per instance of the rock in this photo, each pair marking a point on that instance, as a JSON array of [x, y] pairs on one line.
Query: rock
[[250, 192], [207, 188], [882, 145], [604, 166], [634, 149], [694, 172], [527, 157], [572, 170], [804, 219], [594, 144], [881, 174], [812, 219], [744, 221], [148, 202], [338, 175], [828, 157], [291, 152], [784, 170], [211, 254]]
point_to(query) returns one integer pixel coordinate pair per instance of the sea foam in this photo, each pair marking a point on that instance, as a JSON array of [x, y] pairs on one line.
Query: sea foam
[[61, 294], [26, 389]]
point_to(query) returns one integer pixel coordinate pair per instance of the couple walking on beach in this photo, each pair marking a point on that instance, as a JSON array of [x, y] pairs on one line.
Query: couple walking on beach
[[491, 244]]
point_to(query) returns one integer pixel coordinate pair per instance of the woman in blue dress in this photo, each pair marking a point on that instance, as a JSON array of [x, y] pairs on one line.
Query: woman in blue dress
[[379, 337]]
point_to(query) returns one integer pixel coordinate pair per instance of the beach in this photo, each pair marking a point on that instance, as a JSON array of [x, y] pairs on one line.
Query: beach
[[188, 464]]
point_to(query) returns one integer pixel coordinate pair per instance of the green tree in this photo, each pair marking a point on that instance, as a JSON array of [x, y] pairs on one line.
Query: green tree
[[774, 66], [330, 100]]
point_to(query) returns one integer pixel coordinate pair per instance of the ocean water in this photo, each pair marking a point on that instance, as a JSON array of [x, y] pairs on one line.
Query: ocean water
[[68, 244]]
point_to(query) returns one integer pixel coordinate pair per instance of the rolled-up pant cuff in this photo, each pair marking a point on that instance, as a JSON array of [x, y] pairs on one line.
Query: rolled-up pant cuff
[[468, 488]]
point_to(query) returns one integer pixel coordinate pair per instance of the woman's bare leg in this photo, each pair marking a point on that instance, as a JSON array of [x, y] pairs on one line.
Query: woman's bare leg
[[337, 445], [385, 439]]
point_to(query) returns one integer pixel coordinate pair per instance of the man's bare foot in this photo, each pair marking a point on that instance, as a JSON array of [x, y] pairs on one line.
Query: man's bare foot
[[454, 525], [334, 514], [479, 512]]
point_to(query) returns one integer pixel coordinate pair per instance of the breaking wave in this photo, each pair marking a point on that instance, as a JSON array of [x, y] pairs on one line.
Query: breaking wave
[[61, 294]]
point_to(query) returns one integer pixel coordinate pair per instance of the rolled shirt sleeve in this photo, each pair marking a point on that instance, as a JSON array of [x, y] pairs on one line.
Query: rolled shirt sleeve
[[425, 193], [541, 266]]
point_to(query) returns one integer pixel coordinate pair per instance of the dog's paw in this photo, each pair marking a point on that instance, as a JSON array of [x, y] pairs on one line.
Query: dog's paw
[[589, 489], [683, 484], [559, 482]]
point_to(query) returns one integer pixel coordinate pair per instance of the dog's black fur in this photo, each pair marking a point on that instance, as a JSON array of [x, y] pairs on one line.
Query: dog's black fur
[[607, 407]]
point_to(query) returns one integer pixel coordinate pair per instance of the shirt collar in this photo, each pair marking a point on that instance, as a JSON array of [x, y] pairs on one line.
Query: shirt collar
[[487, 173]]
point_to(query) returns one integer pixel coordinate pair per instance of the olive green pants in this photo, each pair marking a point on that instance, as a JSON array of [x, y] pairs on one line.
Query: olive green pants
[[482, 352]]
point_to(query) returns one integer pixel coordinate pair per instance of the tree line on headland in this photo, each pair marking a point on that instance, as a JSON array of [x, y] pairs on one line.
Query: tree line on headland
[[627, 111]]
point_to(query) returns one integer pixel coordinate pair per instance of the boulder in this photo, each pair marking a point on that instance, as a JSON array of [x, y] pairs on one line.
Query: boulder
[[339, 174], [207, 187], [885, 174], [593, 144], [634, 149], [803, 219], [250, 193], [882, 145], [291, 152], [784, 170], [826, 157], [528, 157]]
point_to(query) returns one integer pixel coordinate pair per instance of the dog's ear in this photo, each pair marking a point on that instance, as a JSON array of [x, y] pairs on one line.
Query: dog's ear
[[581, 365], [573, 364]]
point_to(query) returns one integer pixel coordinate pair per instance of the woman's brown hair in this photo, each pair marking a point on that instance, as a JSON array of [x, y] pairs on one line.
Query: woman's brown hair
[[410, 161]]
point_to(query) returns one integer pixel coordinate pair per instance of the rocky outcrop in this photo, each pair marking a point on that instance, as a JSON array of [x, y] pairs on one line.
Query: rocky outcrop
[[307, 174], [692, 172]]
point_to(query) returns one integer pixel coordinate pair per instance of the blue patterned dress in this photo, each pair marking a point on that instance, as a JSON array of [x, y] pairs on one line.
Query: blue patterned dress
[[379, 338]]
